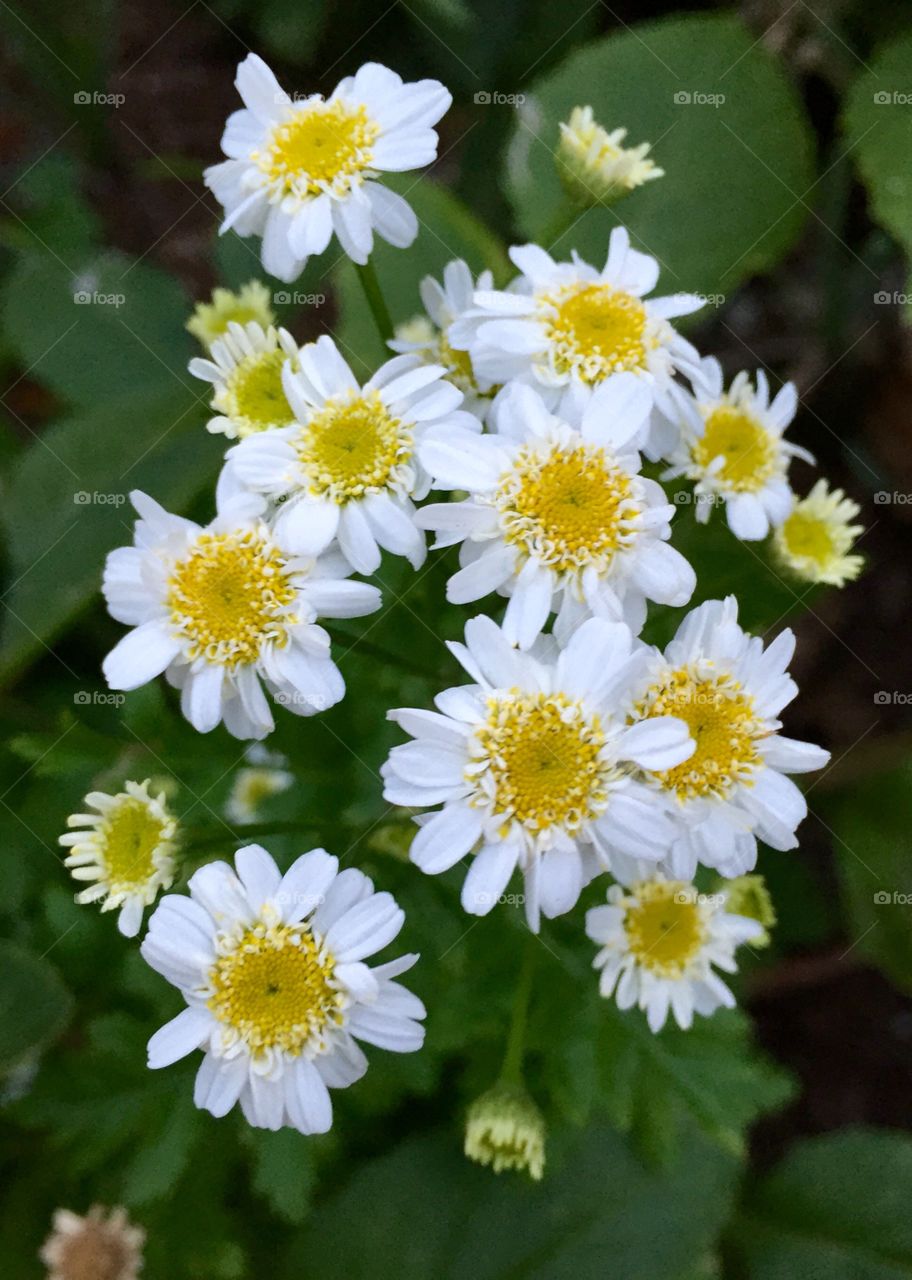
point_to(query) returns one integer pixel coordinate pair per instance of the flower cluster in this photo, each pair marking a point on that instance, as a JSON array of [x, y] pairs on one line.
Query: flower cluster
[[577, 750]]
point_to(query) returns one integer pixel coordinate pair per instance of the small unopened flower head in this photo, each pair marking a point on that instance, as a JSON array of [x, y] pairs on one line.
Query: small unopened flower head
[[748, 896], [104, 1245], [594, 165], [815, 540], [126, 848], [264, 776], [252, 301], [506, 1130]]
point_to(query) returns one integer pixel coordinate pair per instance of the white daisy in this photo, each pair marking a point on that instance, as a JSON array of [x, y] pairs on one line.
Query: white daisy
[[126, 847], [731, 445], [729, 690], [565, 321], [533, 767], [428, 336], [348, 467], [595, 166], [222, 608], [245, 369], [815, 539], [557, 515], [302, 169], [660, 943], [278, 994]]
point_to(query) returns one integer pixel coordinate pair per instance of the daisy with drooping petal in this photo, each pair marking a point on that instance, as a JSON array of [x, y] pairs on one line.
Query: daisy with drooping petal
[[594, 165], [660, 942], [245, 370], [127, 847], [103, 1245], [729, 690], [278, 994], [299, 171], [210, 320], [348, 468], [428, 336], [224, 609], [565, 321], [506, 1130], [557, 514], [731, 444], [533, 765], [815, 539]]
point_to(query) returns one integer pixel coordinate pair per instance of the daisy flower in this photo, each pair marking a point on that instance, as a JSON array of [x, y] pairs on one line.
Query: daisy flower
[[264, 776], [253, 301], [660, 942], [557, 514], [223, 610], [245, 369], [594, 165], [815, 539], [565, 321], [278, 994], [299, 170], [103, 1245], [731, 444], [126, 847], [348, 468], [729, 690], [533, 765], [428, 336]]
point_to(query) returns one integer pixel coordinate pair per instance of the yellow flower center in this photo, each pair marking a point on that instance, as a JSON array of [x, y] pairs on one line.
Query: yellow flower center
[[536, 761], [723, 723], [254, 398], [131, 835], [354, 446], [570, 508], [275, 989], [324, 146], [747, 449], [231, 596], [665, 928], [808, 536], [595, 330]]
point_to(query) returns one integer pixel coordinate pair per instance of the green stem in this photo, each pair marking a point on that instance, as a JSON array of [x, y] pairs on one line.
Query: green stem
[[511, 1071], [367, 274]]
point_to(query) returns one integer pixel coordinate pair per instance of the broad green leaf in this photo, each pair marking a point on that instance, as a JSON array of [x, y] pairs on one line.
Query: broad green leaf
[[598, 1211], [878, 128], [282, 1170], [871, 823], [34, 1004], [726, 125], [836, 1208], [447, 230], [169, 1139]]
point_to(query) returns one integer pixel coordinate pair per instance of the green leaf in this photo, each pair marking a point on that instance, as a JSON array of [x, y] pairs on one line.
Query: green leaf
[[879, 138], [447, 230], [283, 1170], [35, 1006], [871, 822], [837, 1208], [598, 1208], [736, 170], [165, 1151]]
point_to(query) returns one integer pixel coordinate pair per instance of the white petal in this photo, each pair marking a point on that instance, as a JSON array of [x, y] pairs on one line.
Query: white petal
[[188, 1031], [488, 876]]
